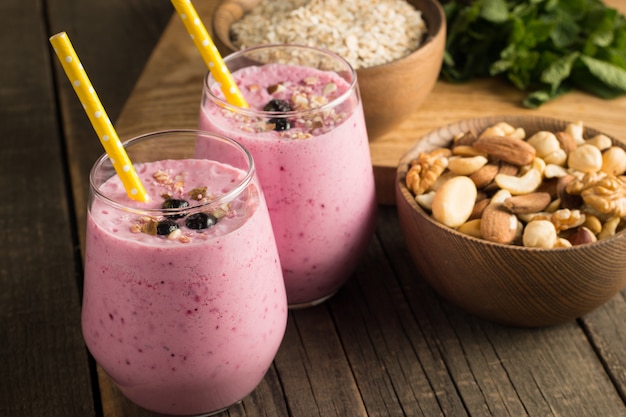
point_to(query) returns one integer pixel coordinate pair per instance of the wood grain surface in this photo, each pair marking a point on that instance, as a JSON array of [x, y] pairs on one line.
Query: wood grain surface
[[37, 257], [385, 345]]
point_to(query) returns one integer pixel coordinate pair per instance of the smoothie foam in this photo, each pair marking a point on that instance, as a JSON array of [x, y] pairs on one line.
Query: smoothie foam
[[190, 323], [316, 176]]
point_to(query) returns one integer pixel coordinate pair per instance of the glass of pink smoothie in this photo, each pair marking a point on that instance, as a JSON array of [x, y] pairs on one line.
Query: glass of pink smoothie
[[184, 304], [306, 131]]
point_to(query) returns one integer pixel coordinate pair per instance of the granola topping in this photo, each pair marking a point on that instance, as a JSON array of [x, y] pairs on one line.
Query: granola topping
[[179, 227], [296, 108]]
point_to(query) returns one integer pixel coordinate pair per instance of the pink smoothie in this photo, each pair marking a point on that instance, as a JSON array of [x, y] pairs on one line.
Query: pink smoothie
[[185, 323], [317, 175]]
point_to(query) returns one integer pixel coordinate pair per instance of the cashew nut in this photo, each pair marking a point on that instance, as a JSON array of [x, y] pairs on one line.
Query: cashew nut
[[466, 165], [500, 196], [526, 183], [609, 228], [504, 129], [576, 130], [425, 200], [553, 206], [471, 228], [554, 171], [466, 150], [593, 223]]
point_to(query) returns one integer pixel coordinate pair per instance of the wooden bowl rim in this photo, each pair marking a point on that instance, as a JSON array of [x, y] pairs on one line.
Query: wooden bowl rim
[[447, 132]]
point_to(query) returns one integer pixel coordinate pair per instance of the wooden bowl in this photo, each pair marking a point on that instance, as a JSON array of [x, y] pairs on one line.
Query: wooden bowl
[[391, 92], [507, 284]]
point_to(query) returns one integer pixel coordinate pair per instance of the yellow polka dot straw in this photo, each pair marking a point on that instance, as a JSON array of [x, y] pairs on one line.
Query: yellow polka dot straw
[[209, 52], [98, 117]]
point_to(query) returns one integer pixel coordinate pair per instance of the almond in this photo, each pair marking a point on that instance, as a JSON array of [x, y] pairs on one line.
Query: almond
[[508, 169], [485, 175], [527, 203], [566, 141], [497, 224], [479, 207], [508, 149], [503, 168]]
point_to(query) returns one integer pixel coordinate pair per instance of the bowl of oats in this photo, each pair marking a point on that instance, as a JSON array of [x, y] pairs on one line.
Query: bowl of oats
[[395, 46], [517, 219]]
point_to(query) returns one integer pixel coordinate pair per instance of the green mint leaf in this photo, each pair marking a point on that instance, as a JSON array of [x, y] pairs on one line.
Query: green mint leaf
[[601, 24], [495, 11], [611, 75], [545, 47], [536, 99], [559, 70], [541, 29], [565, 31], [539, 97], [573, 8]]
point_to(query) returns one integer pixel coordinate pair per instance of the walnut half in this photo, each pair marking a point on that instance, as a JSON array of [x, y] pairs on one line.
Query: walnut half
[[608, 196]]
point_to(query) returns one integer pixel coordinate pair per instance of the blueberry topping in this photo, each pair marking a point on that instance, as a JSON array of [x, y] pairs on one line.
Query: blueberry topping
[[165, 227], [277, 105], [199, 221], [280, 124], [172, 203]]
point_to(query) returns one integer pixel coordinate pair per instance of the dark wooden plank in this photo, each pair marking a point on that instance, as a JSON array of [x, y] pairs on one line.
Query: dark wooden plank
[[605, 327], [45, 369], [113, 40], [314, 371], [397, 370], [500, 370]]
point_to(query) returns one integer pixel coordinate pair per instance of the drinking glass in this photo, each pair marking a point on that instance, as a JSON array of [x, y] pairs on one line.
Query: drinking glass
[[184, 303], [306, 131]]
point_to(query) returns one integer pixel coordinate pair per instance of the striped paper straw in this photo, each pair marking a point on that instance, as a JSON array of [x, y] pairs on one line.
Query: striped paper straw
[[209, 52], [98, 117]]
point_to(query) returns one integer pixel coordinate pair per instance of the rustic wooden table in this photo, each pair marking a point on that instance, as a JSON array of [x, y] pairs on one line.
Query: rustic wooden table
[[385, 345]]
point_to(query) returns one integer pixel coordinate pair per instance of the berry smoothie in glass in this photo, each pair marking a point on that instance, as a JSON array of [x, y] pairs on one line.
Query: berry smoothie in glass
[[184, 304], [306, 131]]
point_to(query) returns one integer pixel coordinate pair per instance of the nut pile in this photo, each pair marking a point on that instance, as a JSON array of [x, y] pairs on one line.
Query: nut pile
[[549, 190], [383, 31]]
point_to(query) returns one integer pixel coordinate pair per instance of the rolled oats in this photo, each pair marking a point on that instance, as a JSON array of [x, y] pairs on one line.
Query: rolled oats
[[383, 31]]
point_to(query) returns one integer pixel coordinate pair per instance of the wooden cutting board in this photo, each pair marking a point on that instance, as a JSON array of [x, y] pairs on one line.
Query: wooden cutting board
[[167, 95]]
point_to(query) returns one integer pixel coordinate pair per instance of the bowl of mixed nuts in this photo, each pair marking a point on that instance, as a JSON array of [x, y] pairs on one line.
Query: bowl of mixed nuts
[[395, 46], [517, 219]]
